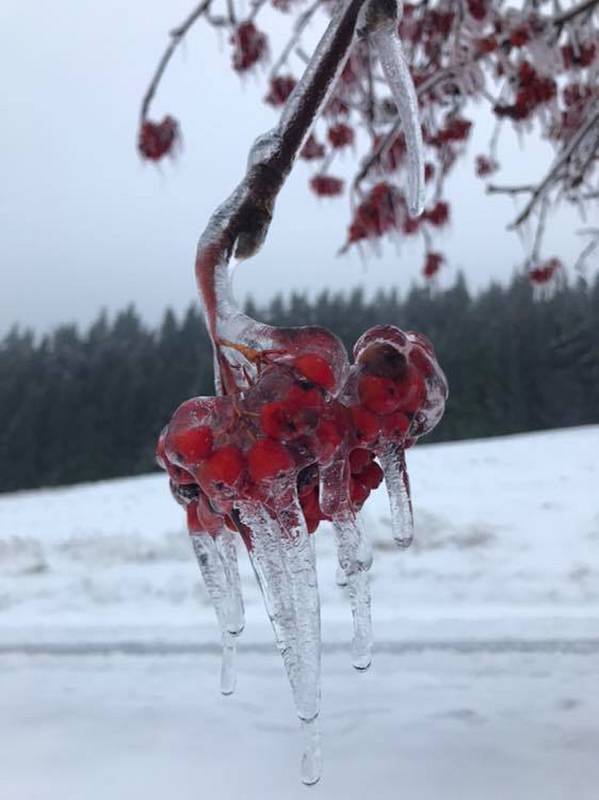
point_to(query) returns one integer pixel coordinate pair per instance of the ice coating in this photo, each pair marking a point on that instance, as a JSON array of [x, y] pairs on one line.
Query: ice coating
[[285, 566], [216, 581], [296, 434], [269, 462], [397, 73]]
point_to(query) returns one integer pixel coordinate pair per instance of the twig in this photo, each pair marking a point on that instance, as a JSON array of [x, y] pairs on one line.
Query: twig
[[494, 189], [553, 172], [588, 249], [567, 16], [176, 36], [298, 29]]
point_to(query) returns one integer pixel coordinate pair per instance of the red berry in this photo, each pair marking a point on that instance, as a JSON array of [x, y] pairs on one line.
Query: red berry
[[280, 89], [312, 149], [329, 438], [274, 419], [366, 424], [301, 396], [156, 139], [326, 185], [311, 508], [359, 459], [193, 524], [250, 45], [358, 493], [225, 465], [268, 459], [411, 393], [180, 476], [316, 369], [297, 415], [190, 445], [432, 264], [372, 476], [379, 395], [421, 361], [209, 520], [396, 425], [340, 135]]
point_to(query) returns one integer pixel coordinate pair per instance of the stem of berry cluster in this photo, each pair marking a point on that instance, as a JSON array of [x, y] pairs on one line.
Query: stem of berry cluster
[[239, 226]]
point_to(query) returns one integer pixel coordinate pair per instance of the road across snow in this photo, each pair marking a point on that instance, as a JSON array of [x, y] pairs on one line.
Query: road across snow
[[431, 724], [484, 684]]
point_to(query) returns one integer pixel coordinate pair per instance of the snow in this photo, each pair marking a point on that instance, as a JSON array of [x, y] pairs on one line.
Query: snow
[[428, 725], [485, 661]]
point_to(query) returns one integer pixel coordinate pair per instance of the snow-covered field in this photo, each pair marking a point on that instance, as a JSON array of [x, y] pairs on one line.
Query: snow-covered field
[[484, 684]]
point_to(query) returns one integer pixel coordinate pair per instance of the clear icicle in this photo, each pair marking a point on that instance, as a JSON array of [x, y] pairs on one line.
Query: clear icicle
[[215, 577], [365, 553], [227, 550], [393, 462], [285, 566], [400, 82], [354, 554], [350, 553]]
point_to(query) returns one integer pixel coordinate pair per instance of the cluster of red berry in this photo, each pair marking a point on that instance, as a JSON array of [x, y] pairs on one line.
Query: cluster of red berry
[[432, 264], [384, 209], [545, 272], [425, 30], [156, 139], [312, 149], [378, 213], [533, 90], [326, 185], [478, 9], [581, 56], [485, 166], [577, 97], [249, 46], [340, 135], [280, 89], [270, 443], [455, 129]]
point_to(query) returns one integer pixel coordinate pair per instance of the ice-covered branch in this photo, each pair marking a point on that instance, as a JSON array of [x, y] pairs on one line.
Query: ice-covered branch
[[559, 163], [239, 226], [176, 37], [571, 13]]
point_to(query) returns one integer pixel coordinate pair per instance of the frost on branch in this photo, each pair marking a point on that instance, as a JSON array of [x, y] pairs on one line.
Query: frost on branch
[[296, 434]]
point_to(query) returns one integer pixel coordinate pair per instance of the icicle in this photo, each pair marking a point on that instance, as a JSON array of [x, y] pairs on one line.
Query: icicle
[[312, 756], [365, 554], [285, 567], [225, 544], [354, 554], [400, 82], [393, 462], [350, 551], [219, 590]]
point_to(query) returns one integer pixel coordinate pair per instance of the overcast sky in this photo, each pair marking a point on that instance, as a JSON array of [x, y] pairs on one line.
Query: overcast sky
[[86, 225]]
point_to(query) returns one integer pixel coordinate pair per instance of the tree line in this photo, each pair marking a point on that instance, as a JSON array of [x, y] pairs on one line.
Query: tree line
[[84, 405]]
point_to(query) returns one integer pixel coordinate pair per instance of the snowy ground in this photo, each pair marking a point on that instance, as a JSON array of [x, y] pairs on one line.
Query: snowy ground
[[484, 682]]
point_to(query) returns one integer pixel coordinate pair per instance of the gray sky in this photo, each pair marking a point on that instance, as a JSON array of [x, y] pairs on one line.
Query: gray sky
[[84, 224]]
